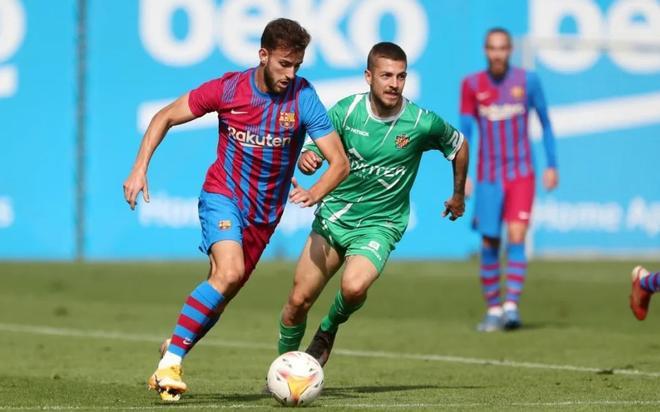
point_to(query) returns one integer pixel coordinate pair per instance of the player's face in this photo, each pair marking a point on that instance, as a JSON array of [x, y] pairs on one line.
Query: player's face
[[498, 51], [386, 81], [280, 67]]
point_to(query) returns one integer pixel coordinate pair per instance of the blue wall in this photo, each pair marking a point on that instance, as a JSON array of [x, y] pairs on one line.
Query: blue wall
[[141, 54]]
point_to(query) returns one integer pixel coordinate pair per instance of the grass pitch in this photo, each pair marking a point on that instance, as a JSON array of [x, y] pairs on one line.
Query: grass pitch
[[85, 337]]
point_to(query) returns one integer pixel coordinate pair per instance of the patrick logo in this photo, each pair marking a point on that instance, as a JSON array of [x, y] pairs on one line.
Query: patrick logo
[[401, 141], [287, 120], [224, 224]]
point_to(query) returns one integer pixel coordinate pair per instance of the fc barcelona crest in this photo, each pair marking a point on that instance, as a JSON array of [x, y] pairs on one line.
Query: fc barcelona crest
[[287, 119], [517, 92], [401, 141]]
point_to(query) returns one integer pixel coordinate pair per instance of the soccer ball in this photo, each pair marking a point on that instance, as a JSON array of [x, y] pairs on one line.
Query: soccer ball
[[295, 379]]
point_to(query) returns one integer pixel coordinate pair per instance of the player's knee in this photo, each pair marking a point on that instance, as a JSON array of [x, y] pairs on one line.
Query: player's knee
[[354, 290], [227, 280], [300, 302]]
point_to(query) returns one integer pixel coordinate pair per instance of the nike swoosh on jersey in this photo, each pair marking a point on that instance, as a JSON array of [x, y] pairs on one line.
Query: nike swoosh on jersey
[[237, 112], [483, 95]]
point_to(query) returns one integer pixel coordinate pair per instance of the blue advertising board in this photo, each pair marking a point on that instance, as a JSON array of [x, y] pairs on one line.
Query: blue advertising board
[[37, 134], [598, 61]]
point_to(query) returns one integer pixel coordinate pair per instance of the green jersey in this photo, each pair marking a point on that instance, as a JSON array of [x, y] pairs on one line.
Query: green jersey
[[384, 155]]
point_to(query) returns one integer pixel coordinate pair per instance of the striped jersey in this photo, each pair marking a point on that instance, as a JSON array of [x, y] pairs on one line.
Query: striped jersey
[[260, 137], [384, 154], [501, 110]]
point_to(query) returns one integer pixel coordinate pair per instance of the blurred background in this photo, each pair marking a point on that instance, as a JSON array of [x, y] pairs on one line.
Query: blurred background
[[80, 80]]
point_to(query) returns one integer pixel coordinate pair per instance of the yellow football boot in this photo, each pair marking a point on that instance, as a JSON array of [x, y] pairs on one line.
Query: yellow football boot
[[168, 383]]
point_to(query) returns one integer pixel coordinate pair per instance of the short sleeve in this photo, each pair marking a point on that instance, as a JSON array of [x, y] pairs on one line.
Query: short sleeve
[[336, 115], [312, 113], [442, 136], [205, 98]]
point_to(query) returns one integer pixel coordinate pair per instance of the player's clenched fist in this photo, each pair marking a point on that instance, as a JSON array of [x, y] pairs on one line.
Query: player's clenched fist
[[454, 207], [309, 162]]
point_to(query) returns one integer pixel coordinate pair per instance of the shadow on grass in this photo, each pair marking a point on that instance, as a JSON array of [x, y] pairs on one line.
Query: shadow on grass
[[345, 392], [226, 397], [352, 391]]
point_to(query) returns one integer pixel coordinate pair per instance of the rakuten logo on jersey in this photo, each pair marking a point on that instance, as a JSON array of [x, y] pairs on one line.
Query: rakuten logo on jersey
[[496, 112], [12, 31], [249, 139]]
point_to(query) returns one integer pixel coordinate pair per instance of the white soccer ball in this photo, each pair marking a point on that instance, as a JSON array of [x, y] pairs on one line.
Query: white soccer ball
[[295, 379]]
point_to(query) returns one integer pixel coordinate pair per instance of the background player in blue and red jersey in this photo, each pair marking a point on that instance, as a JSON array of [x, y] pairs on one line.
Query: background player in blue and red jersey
[[263, 114], [500, 99]]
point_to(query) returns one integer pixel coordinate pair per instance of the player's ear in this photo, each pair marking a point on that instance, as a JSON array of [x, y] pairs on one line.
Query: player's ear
[[367, 76], [263, 56]]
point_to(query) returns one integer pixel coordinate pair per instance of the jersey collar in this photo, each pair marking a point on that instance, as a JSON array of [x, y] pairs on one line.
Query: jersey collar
[[384, 119]]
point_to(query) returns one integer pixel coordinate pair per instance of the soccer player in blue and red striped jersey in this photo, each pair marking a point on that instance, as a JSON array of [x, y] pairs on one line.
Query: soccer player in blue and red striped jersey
[[264, 114], [500, 99]]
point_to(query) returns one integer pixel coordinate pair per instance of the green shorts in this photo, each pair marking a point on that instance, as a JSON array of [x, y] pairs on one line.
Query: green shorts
[[374, 243]]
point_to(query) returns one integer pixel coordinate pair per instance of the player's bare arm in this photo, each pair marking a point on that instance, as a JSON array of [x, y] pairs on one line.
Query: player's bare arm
[[338, 167], [455, 206], [309, 162], [173, 114]]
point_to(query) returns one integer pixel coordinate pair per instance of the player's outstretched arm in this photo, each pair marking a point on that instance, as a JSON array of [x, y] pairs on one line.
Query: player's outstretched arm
[[174, 113], [455, 206], [338, 167]]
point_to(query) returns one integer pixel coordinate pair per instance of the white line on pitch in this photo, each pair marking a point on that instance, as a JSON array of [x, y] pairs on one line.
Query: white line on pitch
[[97, 334]]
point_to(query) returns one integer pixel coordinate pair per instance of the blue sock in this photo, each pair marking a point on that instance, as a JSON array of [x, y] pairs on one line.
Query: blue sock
[[197, 316], [516, 271], [651, 283], [489, 274]]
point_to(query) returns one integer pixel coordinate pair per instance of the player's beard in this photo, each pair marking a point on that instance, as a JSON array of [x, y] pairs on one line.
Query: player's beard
[[271, 84], [386, 104], [498, 68]]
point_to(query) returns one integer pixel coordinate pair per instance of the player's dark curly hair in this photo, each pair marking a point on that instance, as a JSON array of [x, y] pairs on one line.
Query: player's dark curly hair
[[388, 50], [284, 34]]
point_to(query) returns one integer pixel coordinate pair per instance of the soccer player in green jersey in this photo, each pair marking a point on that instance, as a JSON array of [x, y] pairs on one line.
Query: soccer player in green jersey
[[360, 222]]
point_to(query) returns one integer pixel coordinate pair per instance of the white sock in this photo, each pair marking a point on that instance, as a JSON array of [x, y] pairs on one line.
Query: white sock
[[510, 306], [495, 310], [169, 359]]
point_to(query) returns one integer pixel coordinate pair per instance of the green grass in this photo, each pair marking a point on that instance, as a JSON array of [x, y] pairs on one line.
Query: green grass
[[85, 336]]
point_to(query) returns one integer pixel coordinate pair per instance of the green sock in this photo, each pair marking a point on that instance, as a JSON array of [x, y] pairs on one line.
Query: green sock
[[290, 337], [339, 313]]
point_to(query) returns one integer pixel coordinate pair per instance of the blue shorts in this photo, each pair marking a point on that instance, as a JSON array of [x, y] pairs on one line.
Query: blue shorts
[[221, 219]]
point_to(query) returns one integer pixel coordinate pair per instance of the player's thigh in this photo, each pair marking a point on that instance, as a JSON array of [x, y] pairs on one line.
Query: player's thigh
[[488, 205], [518, 200], [360, 273], [220, 220], [227, 267], [317, 263], [365, 259]]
